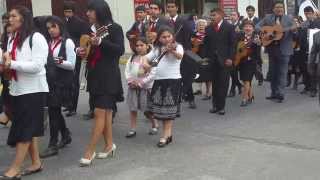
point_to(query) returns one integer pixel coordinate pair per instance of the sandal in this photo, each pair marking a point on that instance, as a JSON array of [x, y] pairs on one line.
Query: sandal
[[28, 172]]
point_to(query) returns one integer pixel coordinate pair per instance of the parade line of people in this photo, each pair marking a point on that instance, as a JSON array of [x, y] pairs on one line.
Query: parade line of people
[[41, 61]]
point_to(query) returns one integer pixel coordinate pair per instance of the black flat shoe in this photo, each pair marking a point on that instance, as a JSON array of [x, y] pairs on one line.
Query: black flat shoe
[[65, 141], [71, 113], [192, 105], [28, 172], [49, 152], [213, 110], [271, 97], [222, 112], [16, 177]]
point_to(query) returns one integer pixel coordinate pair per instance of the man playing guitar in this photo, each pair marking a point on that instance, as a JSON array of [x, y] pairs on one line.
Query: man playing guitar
[[279, 51]]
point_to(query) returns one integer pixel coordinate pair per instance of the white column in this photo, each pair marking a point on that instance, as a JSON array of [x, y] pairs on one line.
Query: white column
[[3, 9], [41, 7], [123, 14]]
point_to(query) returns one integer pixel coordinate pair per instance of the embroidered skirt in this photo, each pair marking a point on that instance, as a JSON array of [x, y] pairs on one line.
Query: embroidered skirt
[[165, 99]]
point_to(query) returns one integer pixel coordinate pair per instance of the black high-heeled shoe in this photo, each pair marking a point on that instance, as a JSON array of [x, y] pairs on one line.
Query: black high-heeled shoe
[[16, 177], [164, 143]]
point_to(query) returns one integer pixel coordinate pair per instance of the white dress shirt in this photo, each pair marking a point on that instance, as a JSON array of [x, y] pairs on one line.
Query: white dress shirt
[[29, 66], [69, 63]]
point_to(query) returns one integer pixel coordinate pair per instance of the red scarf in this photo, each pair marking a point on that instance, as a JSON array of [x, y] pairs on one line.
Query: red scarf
[[95, 56], [54, 44], [13, 73]]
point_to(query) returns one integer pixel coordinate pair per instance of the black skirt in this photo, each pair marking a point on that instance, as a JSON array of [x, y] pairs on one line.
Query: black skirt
[[205, 73], [27, 117], [104, 101], [165, 99], [247, 70]]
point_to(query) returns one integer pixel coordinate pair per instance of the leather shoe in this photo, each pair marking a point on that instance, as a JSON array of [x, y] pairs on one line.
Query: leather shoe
[[272, 97], [65, 141], [49, 152], [192, 105], [71, 113], [213, 110], [222, 112]]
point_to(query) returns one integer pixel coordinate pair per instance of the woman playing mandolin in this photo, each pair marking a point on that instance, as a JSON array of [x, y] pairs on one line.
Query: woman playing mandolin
[[248, 61]]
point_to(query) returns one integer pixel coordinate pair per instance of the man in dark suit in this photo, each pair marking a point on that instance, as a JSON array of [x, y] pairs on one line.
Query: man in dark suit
[[251, 17], [76, 27], [138, 29], [309, 81], [187, 67], [279, 51], [313, 64], [221, 55], [155, 21], [236, 22]]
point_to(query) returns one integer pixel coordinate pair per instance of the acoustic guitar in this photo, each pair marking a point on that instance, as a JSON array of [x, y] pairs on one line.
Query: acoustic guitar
[[242, 52], [85, 40], [270, 34]]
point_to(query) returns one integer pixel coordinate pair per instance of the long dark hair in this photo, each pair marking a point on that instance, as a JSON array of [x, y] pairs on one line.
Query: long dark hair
[[55, 20], [103, 12], [165, 28], [26, 28]]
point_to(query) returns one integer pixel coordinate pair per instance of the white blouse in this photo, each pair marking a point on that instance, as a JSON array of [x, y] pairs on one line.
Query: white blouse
[[69, 63], [29, 66]]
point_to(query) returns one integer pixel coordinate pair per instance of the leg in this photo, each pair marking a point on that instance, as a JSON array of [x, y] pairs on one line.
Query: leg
[[98, 128], [222, 90], [282, 76], [34, 154], [21, 152], [54, 126], [133, 119], [107, 132], [233, 83], [65, 132], [246, 90]]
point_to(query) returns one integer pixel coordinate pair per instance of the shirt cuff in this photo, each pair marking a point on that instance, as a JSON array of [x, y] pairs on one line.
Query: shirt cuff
[[13, 65]]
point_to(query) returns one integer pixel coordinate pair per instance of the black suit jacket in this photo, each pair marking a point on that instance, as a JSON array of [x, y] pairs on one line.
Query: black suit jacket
[[135, 28], [105, 77], [184, 36], [77, 27], [219, 46]]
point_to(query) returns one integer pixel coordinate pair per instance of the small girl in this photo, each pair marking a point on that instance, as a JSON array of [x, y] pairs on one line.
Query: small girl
[[166, 90], [139, 86]]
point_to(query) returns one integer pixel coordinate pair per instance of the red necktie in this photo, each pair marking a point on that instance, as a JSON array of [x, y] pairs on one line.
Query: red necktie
[[216, 27], [172, 22]]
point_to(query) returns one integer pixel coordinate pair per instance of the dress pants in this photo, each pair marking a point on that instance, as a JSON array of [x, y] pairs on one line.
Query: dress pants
[[314, 76], [220, 85], [279, 71], [57, 124], [74, 99], [188, 70]]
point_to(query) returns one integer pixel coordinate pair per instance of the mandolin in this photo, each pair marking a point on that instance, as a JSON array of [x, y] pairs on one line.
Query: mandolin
[[85, 40], [242, 52]]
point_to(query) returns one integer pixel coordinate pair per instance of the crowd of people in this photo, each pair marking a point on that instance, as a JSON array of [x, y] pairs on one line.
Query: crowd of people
[[41, 59]]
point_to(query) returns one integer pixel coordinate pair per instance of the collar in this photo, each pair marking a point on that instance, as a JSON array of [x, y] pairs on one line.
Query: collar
[[251, 19], [154, 21], [93, 29], [219, 24], [174, 18]]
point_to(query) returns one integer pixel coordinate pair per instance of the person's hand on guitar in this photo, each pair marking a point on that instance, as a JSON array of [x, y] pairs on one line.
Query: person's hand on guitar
[[81, 52], [228, 62], [95, 41], [7, 60]]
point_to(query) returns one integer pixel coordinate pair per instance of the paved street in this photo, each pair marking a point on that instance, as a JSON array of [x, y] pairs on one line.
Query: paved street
[[265, 141]]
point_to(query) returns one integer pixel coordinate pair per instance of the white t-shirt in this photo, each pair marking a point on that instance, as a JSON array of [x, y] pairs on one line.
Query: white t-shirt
[[169, 65]]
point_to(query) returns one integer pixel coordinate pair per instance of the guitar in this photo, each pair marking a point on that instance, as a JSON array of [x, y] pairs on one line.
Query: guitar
[[85, 40], [270, 34], [242, 52]]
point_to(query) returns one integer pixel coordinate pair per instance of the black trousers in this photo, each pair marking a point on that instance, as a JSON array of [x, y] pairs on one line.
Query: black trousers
[[258, 73], [57, 124], [314, 76], [235, 79], [220, 85], [188, 70], [74, 101]]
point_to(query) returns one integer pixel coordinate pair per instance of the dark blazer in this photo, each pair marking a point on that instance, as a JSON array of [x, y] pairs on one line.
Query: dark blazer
[[185, 34], [105, 77], [303, 34], [162, 21], [135, 28], [219, 46], [286, 42], [255, 20], [77, 27]]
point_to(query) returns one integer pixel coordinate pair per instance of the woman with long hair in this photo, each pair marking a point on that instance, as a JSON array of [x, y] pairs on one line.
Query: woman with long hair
[[104, 78], [25, 60], [60, 85]]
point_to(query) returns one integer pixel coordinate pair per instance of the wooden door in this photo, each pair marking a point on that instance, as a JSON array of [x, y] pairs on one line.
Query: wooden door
[[13, 3]]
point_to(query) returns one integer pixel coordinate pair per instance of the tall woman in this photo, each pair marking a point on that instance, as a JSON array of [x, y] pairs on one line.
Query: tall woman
[[62, 65], [28, 89], [104, 79]]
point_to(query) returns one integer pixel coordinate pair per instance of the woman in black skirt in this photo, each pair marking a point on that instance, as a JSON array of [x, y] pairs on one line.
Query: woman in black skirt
[[60, 83], [165, 94], [28, 89], [248, 63], [104, 78]]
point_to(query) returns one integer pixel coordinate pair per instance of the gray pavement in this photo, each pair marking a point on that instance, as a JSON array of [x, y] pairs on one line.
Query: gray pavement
[[265, 141]]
